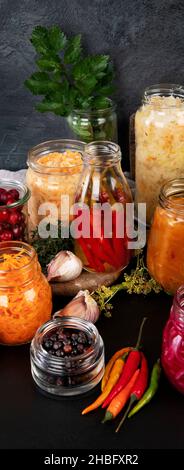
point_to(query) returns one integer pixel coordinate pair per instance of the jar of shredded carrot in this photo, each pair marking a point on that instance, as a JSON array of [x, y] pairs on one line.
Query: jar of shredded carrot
[[25, 295], [165, 253], [52, 177]]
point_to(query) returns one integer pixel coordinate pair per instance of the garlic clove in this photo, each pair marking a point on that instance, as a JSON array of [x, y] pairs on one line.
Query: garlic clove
[[64, 267], [83, 306]]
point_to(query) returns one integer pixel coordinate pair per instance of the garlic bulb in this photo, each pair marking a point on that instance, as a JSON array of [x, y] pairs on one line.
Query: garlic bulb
[[83, 306], [64, 267]]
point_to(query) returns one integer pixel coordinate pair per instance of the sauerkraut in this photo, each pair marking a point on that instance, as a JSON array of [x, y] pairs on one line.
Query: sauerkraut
[[159, 133], [60, 175]]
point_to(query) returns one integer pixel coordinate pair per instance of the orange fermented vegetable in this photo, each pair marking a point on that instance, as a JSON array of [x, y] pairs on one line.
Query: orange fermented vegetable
[[25, 296], [113, 378], [165, 253], [111, 363], [120, 400]]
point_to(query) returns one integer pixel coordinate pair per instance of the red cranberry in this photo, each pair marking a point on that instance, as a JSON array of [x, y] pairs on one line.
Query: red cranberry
[[14, 194], [21, 218], [6, 236], [17, 232], [3, 196], [6, 226], [4, 215], [14, 218], [10, 200]]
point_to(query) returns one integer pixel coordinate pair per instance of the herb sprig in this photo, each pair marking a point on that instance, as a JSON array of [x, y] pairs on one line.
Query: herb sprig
[[66, 78], [137, 282], [47, 248]]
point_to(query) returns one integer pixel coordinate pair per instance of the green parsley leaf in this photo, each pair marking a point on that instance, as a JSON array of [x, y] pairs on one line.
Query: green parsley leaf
[[40, 83], [73, 50], [57, 39]]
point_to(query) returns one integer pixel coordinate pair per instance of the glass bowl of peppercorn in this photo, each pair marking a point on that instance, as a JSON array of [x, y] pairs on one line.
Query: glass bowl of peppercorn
[[67, 356]]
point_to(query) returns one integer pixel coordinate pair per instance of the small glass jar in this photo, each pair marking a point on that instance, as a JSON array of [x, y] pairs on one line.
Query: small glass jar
[[54, 170], [102, 196], [172, 357], [159, 131], [25, 294], [70, 375], [99, 124], [165, 252], [13, 210]]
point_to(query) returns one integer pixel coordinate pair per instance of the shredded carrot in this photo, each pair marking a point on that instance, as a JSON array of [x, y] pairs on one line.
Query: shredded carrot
[[25, 298]]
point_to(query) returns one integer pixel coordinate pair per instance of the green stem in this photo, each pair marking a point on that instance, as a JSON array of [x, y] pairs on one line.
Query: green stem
[[140, 333], [132, 400]]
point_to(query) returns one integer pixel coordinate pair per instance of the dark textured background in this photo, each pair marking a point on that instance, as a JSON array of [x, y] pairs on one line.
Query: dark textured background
[[144, 37]]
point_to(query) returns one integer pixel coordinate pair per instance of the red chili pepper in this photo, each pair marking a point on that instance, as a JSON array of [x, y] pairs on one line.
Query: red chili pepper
[[138, 388], [131, 365]]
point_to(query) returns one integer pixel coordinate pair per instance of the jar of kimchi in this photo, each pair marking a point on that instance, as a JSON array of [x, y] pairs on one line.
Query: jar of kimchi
[[165, 253], [172, 357], [25, 295], [101, 220], [52, 177], [159, 142]]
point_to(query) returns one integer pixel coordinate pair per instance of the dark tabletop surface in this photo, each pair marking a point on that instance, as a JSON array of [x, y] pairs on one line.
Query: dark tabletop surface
[[31, 420]]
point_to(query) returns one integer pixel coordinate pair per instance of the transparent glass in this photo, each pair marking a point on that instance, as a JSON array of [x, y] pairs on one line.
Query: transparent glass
[[172, 357], [102, 195], [70, 375], [54, 170], [159, 151], [165, 253], [100, 124], [25, 296], [14, 217]]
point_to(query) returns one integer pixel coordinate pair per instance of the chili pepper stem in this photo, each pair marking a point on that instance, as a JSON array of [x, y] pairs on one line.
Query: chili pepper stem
[[108, 417], [140, 333], [131, 402]]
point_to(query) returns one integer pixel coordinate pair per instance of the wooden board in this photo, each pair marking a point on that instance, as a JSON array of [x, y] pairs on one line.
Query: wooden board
[[87, 281]]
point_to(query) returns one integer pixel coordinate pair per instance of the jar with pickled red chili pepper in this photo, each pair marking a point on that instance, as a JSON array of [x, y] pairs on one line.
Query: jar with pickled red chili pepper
[[100, 219], [165, 253], [14, 198], [25, 295], [172, 357]]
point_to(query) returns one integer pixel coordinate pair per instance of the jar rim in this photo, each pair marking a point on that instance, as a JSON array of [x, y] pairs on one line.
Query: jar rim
[[19, 186], [169, 194], [178, 313], [163, 90], [45, 147], [20, 246], [93, 112], [100, 150], [64, 322]]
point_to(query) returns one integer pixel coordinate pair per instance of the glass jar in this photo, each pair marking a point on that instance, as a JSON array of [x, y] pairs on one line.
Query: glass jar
[[25, 295], [99, 124], [172, 357], [71, 375], [54, 170], [101, 199], [159, 138], [14, 197], [165, 253]]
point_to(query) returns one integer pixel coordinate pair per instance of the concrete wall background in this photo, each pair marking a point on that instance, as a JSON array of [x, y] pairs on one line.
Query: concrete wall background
[[144, 38]]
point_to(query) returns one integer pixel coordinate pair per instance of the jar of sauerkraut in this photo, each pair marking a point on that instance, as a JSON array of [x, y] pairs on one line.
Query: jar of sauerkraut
[[25, 294], [52, 177], [159, 139]]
